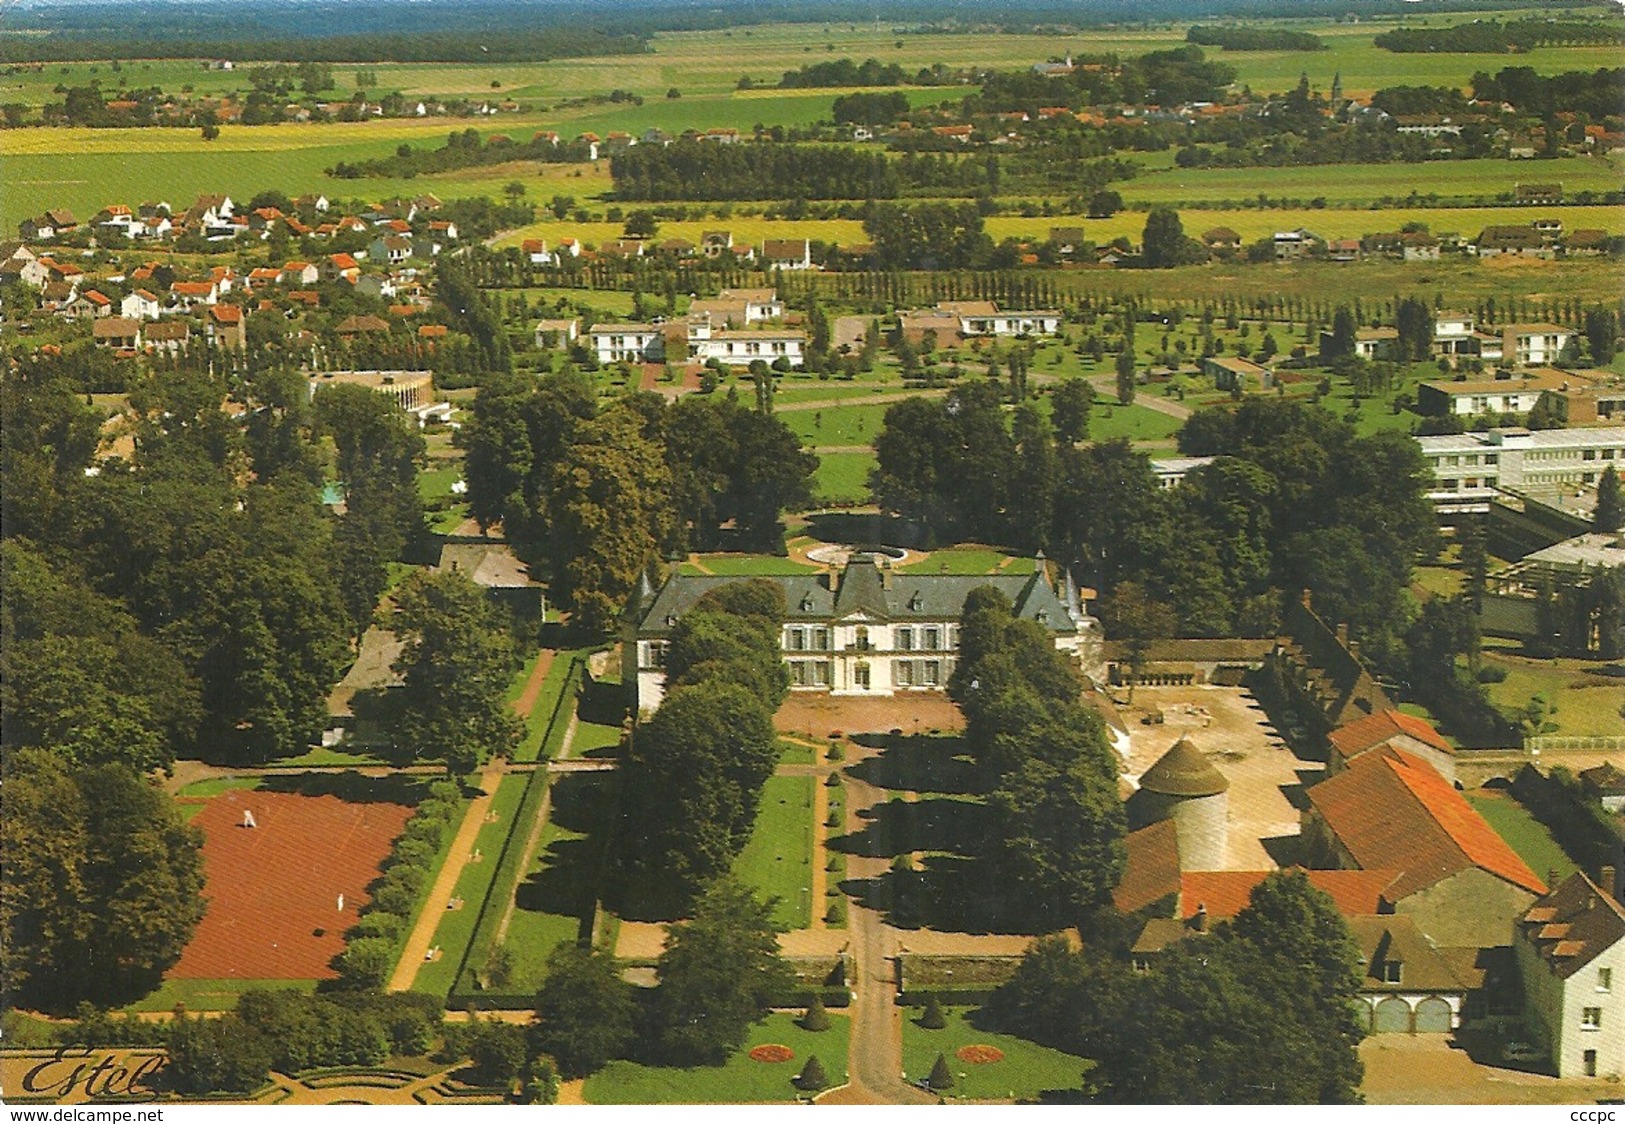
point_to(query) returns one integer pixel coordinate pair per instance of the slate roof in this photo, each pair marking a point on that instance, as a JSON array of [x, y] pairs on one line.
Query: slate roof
[[1573, 925], [861, 589], [1183, 771], [1392, 811]]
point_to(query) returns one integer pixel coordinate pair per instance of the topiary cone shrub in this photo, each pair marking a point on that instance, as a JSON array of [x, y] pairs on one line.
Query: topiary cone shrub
[[941, 1076], [933, 1018], [812, 1077], [816, 1017]]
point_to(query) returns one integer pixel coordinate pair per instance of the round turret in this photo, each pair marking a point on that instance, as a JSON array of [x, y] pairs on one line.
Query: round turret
[[1185, 787]]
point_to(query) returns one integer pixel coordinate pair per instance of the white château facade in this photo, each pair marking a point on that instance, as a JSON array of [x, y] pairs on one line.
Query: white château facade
[[867, 629]]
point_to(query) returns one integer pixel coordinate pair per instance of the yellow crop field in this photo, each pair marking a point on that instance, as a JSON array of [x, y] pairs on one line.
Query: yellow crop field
[[260, 138], [746, 231]]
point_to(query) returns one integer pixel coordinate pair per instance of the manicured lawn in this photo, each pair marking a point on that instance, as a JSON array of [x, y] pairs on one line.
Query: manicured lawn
[[456, 929], [1523, 833], [777, 862], [561, 678], [969, 561], [794, 753], [1586, 704], [323, 757], [794, 390], [1027, 1071], [214, 786], [521, 677], [1108, 420], [211, 995], [594, 735], [740, 1080], [836, 425], [549, 902], [436, 482], [1437, 581], [843, 478], [745, 565]]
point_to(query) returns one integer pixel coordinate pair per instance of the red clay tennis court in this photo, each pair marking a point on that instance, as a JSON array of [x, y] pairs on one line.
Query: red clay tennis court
[[269, 888]]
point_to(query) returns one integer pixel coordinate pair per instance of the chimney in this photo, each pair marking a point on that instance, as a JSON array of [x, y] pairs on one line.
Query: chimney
[[1343, 634], [1609, 881], [834, 579], [885, 574], [1307, 599], [1199, 918]]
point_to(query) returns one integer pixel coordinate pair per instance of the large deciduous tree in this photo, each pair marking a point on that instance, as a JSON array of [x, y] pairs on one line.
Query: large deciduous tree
[[100, 882], [457, 663], [720, 972], [610, 512], [586, 1014]]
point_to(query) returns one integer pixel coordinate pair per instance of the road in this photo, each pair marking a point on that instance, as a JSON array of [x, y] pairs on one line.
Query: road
[[875, 1060]]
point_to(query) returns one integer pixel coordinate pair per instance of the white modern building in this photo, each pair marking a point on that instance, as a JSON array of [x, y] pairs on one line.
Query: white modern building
[[984, 318], [1469, 468], [627, 343], [867, 628]]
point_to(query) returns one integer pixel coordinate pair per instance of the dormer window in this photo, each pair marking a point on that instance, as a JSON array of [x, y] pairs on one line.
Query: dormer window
[[806, 603], [1392, 971], [671, 619], [1042, 616], [916, 601]]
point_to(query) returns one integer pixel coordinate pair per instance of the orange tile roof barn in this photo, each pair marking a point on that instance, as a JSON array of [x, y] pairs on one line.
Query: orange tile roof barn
[[1392, 811]]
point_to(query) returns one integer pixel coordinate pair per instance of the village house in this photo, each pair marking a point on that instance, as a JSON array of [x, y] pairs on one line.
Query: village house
[[391, 248], [864, 628], [226, 326], [187, 295], [300, 273], [787, 253], [738, 308], [1390, 810], [167, 336], [141, 305], [1230, 373], [20, 264], [116, 332], [716, 243], [89, 305], [1606, 782], [627, 343], [1570, 949], [557, 333], [47, 225], [1508, 393], [1514, 241]]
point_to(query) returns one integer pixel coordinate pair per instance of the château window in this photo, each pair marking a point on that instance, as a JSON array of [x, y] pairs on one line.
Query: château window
[[905, 639], [798, 639], [903, 673], [1591, 1018], [860, 676], [861, 638], [931, 673], [820, 639], [933, 639], [1605, 979]]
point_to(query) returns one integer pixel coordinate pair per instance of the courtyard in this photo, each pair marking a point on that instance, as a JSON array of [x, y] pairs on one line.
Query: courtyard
[[1267, 778]]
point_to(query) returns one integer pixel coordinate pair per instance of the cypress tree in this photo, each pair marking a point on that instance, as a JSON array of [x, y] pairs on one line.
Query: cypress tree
[[812, 1077]]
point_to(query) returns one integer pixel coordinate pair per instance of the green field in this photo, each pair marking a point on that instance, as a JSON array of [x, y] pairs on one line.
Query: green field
[[1523, 833], [214, 786], [968, 562], [739, 1081], [1586, 704], [777, 862], [211, 995], [793, 390], [1366, 183], [843, 478], [1027, 1072], [557, 890], [836, 425], [745, 565], [456, 929]]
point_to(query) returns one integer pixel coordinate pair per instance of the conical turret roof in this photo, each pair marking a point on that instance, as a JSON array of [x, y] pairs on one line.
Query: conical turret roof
[[1183, 771]]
